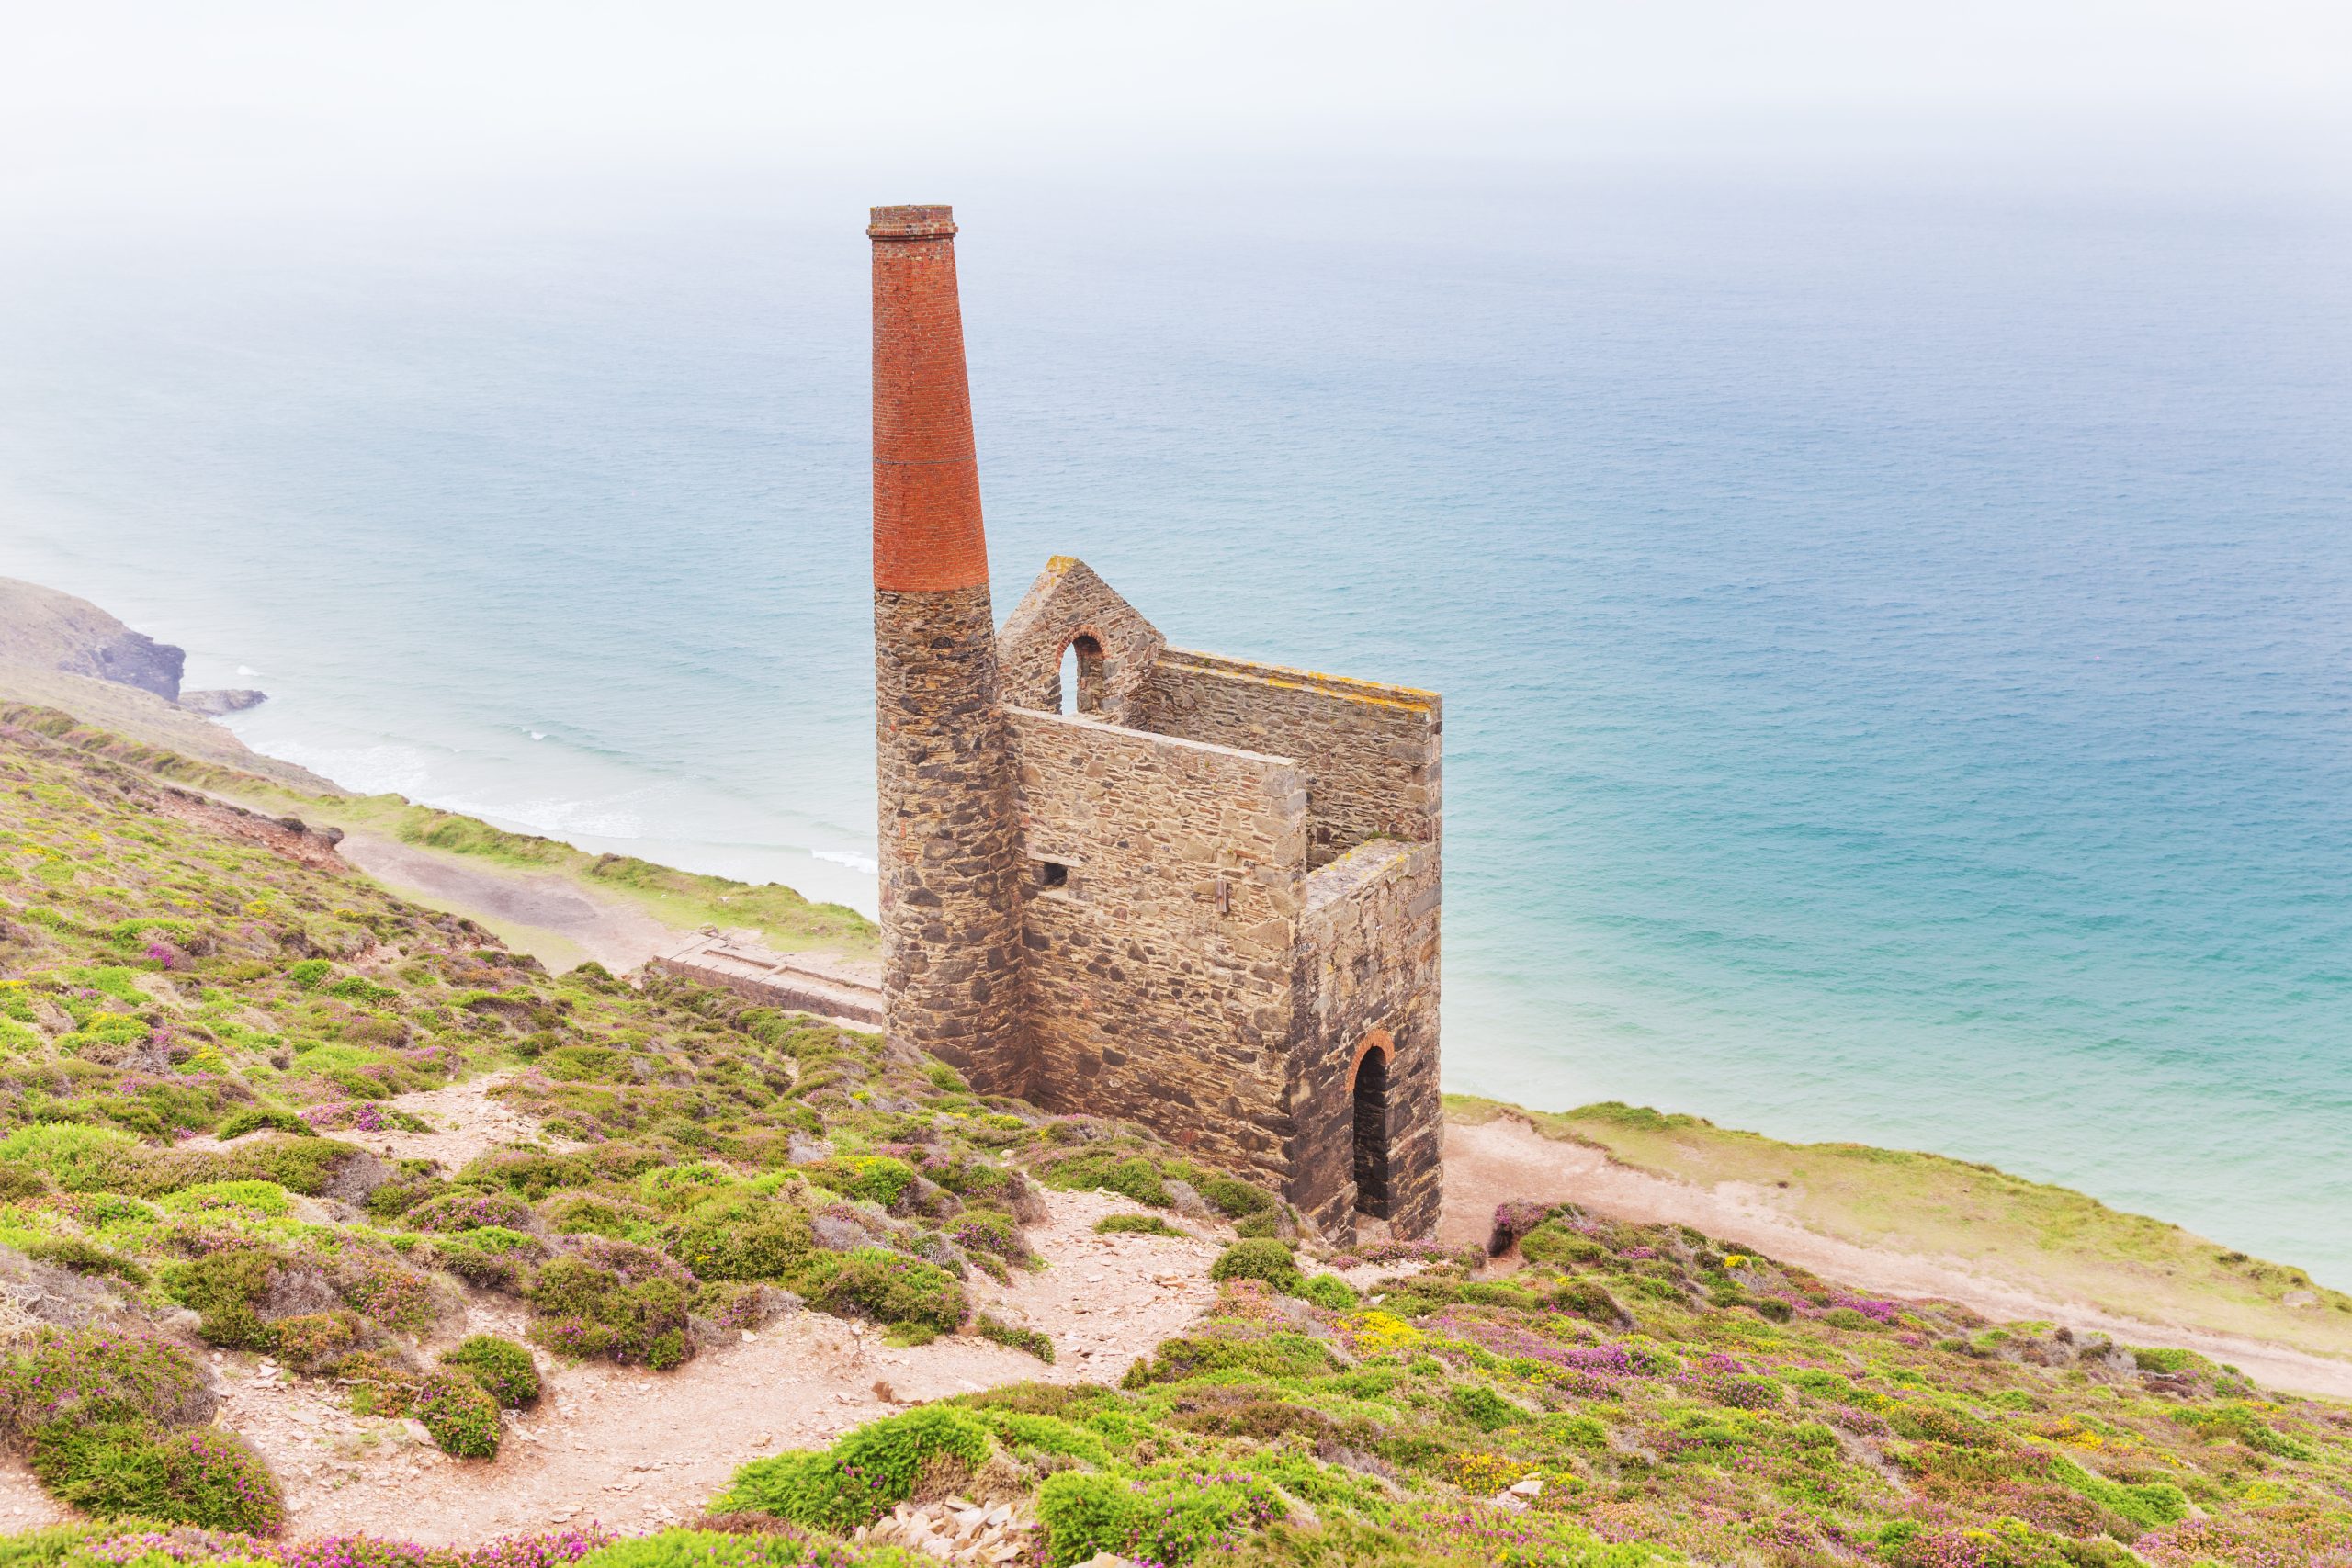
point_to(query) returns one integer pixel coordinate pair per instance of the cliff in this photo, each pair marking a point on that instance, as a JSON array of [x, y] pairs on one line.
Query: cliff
[[59, 651]]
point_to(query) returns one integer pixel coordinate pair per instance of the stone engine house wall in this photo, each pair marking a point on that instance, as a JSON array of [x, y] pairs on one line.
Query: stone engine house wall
[[1370, 751], [1158, 972], [1233, 897]]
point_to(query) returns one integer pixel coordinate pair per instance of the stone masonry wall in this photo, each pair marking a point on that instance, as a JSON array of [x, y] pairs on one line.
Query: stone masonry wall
[[1370, 751], [1159, 978], [950, 842], [1368, 967]]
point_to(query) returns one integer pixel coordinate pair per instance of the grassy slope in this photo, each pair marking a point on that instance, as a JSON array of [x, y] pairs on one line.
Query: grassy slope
[[1699, 1406], [682, 899], [2050, 1239]]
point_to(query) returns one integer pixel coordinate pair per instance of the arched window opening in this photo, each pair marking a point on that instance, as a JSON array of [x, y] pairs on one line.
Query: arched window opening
[[1372, 1134], [1079, 685]]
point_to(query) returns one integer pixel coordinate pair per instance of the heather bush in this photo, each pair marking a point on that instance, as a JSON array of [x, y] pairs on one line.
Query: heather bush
[[458, 1412], [1014, 1336], [586, 1313], [199, 1475], [504, 1368]]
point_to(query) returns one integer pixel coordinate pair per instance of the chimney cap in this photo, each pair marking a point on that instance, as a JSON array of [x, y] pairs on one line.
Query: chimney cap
[[929, 221]]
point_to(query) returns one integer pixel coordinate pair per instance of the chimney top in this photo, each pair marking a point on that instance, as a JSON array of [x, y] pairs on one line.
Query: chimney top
[[930, 221]]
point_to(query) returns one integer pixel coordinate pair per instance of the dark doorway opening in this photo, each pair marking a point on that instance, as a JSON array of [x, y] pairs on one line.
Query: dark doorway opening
[[1372, 1134]]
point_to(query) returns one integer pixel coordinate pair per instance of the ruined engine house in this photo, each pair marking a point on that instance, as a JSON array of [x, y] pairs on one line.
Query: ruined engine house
[[1182, 889]]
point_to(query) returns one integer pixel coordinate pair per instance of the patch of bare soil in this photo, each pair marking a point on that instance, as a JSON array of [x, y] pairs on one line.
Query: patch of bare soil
[[1507, 1158], [616, 935]]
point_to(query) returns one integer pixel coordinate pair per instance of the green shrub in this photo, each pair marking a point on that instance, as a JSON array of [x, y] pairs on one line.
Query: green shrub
[[489, 1256], [2147, 1505], [504, 1368], [1012, 1336], [314, 1341], [256, 1118], [1555, 1244], [1282, 1354], [78, 1157], [83, 1257], [1327, 1290], [744, 1238], [1262, 1226], [1130, 1176], [309, 972], [460, 1412], [876, 1178], [1236, 1200], [863, 1476], [889, 1287], [222, 1288], [196, 1475], [1025, 1430], [1483, 1407], [1136, 1225], [587, 1313], [1260, 1258], [1170, 1518]]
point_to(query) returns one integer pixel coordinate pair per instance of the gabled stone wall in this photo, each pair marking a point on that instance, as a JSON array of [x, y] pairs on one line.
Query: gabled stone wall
[[1069, 601]]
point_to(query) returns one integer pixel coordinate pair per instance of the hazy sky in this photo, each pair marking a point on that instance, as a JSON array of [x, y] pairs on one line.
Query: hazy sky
[[114, 101]]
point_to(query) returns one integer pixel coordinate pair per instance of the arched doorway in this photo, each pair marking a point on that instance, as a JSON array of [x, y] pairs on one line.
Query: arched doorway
[[1369, 1094]]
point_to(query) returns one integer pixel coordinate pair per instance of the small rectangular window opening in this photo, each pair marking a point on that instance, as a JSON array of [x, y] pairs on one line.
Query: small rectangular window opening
[[1052, 874]]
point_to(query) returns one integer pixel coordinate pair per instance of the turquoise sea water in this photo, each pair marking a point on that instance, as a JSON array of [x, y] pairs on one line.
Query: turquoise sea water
[[1897, 647]]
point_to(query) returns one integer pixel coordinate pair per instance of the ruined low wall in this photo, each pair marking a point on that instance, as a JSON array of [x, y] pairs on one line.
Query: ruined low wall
[[1368, 969], [1158, 977], [1370, 751]]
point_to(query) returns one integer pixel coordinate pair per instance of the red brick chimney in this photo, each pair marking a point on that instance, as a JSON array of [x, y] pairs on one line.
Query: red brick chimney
[[950, 838], [926, 481]]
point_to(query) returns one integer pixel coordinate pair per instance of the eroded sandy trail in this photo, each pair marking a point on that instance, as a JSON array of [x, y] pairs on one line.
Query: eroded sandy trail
[[1507, 1158], [633, 1449]]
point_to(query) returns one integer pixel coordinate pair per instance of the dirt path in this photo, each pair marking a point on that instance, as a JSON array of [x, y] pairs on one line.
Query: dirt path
[[634, 1450], [518, 904], [1506, 1158]]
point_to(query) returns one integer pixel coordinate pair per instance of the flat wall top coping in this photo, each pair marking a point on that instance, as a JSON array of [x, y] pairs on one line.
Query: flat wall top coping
[[1082, 722], [1357, 870], [1348, 688]]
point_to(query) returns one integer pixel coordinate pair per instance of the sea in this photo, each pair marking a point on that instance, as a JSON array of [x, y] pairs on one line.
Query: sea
[[1895, 633]]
